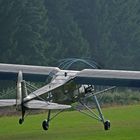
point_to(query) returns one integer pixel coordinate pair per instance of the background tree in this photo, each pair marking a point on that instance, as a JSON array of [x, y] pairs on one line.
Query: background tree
[[64, 35], [23, 29], [41, 32]]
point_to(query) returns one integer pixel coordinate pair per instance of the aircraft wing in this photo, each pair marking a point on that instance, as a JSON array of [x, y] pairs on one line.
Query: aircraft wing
[[108, 77], [37, 104], [30, 72], [60, 79], [7, 102]]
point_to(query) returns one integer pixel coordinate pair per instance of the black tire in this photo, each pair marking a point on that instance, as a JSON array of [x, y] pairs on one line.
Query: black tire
[[45, 125], [107, 125], [20, 121]]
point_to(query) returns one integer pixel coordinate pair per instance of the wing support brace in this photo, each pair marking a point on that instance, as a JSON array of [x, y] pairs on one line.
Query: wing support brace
[[91, 113]]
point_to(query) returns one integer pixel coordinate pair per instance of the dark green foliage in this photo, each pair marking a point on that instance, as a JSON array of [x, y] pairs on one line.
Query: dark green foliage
[[121, 97], [41, 32], [112, 29], [30, 43], [64, 35]]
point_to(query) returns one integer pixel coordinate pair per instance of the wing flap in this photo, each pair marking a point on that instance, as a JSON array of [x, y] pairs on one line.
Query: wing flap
[[37, 104], [108, 77], [7, 102]]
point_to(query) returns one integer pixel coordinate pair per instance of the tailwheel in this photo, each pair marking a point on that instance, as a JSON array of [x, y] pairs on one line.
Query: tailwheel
[[45, 125], [21, 120], [107, 125]]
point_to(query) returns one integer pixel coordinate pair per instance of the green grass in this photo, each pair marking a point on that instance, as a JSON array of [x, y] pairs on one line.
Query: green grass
[[125, 125]]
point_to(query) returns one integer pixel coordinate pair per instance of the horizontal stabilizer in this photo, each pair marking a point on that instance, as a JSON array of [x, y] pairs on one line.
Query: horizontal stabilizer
[[37, 104], [7, 102]]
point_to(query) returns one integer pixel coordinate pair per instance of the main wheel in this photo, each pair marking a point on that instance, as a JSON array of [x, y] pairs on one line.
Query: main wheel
[[21, 121], [107, 125], [45, 125]]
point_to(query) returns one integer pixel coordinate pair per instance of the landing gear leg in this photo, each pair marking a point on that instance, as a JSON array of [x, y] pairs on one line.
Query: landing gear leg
[[105, 123], [45, 123], [21, 120]]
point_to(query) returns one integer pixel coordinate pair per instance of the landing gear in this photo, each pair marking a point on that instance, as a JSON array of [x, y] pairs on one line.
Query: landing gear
[[21, 120], [98, 114], [45, 125], [107, 125]]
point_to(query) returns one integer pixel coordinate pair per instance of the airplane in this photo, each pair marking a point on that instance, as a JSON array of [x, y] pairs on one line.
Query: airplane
[[82, 81]]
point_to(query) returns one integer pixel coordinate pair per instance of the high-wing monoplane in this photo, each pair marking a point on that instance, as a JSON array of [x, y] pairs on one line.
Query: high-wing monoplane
[[83, 82]]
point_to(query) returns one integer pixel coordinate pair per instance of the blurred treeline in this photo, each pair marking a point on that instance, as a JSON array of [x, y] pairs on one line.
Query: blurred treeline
[[42, 31]]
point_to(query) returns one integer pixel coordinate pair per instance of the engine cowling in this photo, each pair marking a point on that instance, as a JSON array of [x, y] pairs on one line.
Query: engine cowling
[[82, 91]]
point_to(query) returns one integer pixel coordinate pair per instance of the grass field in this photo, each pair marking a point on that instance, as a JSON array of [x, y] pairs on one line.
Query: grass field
[[125, 125]]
